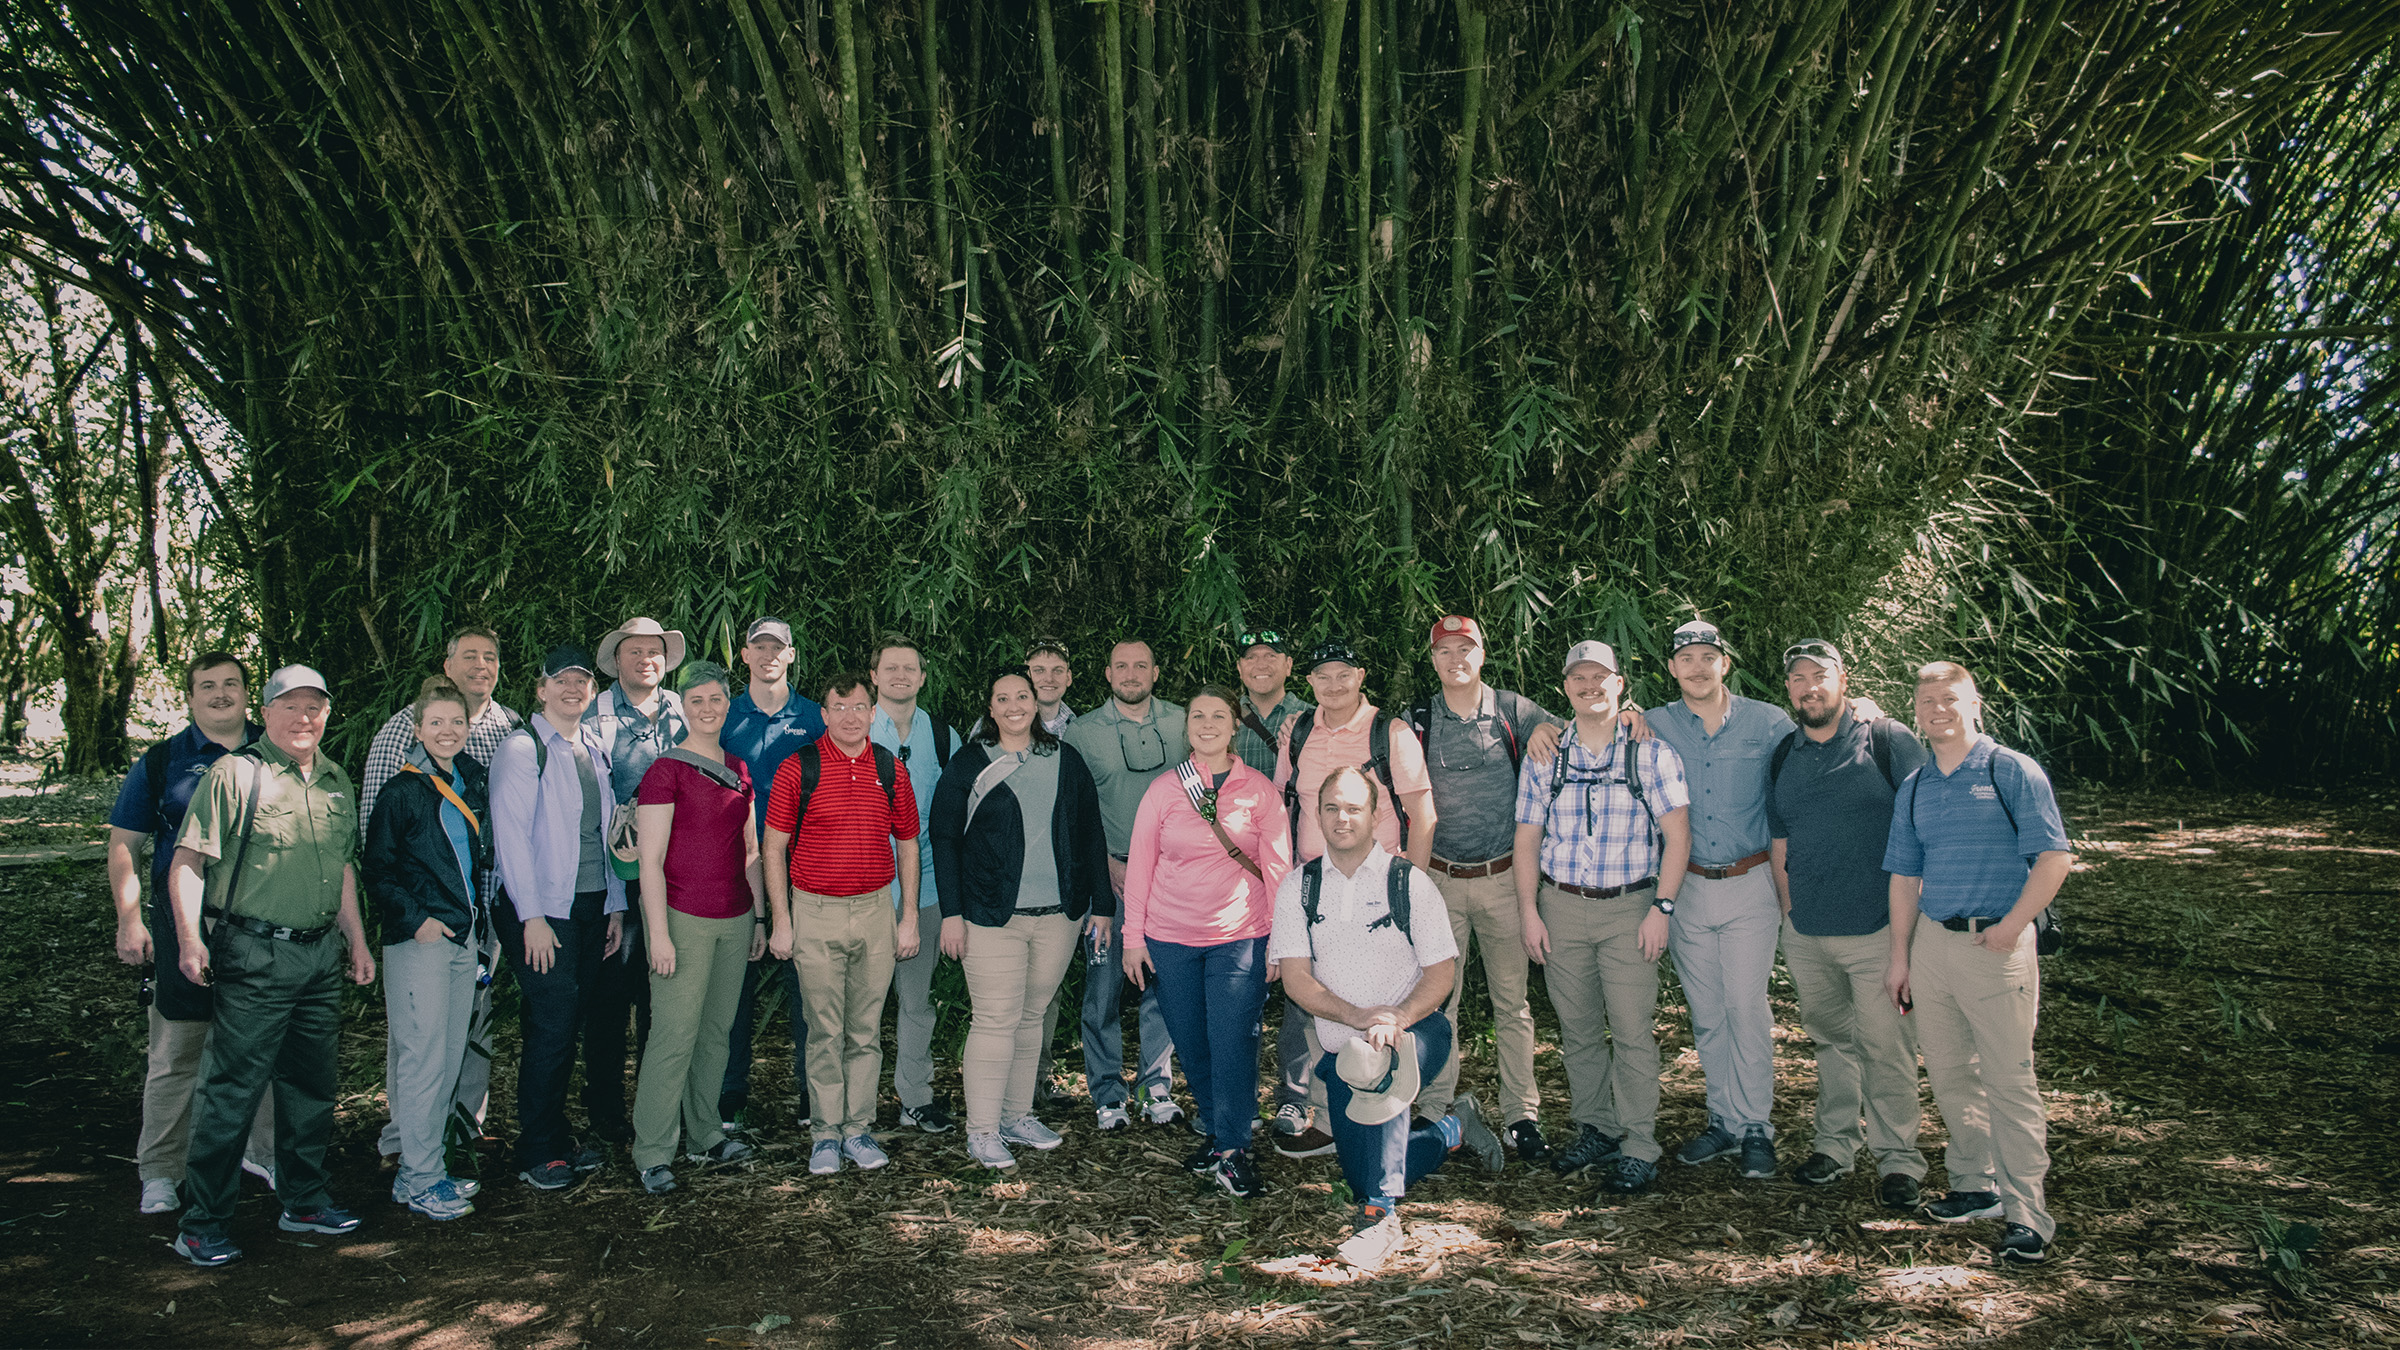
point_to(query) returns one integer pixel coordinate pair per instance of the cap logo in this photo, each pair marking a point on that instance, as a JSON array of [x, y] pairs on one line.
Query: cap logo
[[1452, 624]]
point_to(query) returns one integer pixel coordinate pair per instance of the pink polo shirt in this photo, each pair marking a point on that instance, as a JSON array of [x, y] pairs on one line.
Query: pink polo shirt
[[1331, 747], [1181, 886]]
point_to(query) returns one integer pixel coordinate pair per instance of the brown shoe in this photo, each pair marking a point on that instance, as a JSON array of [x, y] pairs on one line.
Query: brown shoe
[[1309, 1143]]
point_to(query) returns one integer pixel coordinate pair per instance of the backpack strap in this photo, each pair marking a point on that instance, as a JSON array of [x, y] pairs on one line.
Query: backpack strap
[[241, 854], [720, 774], [1783, 751], [1396, 889], [1312, 880], [154, 774], [941, 741], [1511, 710], [812, 767], [1298, 728], [1379, 762], [1204, 802], [887, 772], [1879, 744], [1991, 775]]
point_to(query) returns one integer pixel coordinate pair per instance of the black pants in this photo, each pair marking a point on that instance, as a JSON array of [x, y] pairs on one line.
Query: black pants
[[620, 985], [553, 1019]]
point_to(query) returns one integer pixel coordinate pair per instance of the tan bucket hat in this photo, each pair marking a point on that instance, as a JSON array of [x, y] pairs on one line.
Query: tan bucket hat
[[638, 627]]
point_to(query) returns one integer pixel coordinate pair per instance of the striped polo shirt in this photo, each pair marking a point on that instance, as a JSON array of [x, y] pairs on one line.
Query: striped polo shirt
[[844, 847]]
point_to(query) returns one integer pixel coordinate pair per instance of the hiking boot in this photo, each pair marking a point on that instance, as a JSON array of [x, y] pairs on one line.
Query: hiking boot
[[1030, 1132], [726, 1151], [205, 1251], [441, 1202], [1474, 1135], [1309, 1143], [862, 1150], [554, 1175], [930, 1118], [2021, 1246], [1709, 1145], [1111, 1117], [658, 1180], [1897, 1190], [1526, 1137], [1590, 1149], [1235, 1172], [1964, 1207], [159, 1197], [1628, 1176], [989, 1150], [1758, 1154], [825, 1158], [322, 1219]]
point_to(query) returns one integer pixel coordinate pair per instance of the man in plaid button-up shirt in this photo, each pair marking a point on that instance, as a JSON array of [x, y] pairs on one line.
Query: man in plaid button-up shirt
[[1595, 913], [473, 664]]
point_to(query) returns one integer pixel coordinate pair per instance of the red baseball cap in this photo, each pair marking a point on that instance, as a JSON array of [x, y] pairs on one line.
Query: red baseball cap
[[1456, 625]]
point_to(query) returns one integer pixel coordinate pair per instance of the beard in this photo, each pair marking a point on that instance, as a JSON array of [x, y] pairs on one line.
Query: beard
[[1819, 721]]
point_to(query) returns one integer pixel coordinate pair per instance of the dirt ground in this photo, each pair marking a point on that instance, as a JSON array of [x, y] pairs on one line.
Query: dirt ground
[[2219, 1052]]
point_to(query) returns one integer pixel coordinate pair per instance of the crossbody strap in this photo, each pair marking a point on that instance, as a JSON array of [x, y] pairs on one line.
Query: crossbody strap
[[1204, 801], [448, 795], [720, 774], [241, 852]]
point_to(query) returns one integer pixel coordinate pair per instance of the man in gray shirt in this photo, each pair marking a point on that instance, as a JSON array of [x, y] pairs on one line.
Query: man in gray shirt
[[1829, 810], [1126, 742], [1475, 737]]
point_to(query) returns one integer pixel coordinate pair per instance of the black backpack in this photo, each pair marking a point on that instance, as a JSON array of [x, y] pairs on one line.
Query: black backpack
[[1879, 744], [1379, 762], [1512, 710], [2048, 936], [812, 767], [1395, 895]]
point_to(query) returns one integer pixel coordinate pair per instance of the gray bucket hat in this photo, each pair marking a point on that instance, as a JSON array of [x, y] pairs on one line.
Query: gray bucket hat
[[638, 627]]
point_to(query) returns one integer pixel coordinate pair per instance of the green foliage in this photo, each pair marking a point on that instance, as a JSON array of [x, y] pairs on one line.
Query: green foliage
[[2283, 1249]]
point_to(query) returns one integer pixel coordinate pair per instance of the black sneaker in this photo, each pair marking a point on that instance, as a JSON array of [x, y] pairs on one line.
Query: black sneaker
[[1590, 1149], [322, 1219], [2021, 1246], [931, 1118], [1235, 1173], [1707, 1146], [1821, 1169], [1628, 1176], [1964, 1207], [1526, 1138], [1897, 1191], [587, 1159], [554, 1175], [1758, 1154], [1202, 1158]]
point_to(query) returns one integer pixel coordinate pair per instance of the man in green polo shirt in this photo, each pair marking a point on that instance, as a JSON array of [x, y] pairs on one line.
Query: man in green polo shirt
[[268, 855]]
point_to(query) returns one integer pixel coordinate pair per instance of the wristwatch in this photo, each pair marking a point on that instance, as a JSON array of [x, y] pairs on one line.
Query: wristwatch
[[1664, 904]]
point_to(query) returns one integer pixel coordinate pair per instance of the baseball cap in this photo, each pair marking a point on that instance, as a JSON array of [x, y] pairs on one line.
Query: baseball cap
[[1456, 625], [1261, 637], [1331, 650], [769, 626], [1813, 649], [565, 657], [289, 678], [1591, 649], [1047, 644], [1698, 633]]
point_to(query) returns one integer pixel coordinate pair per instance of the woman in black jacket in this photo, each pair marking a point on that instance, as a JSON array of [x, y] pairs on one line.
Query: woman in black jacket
[[425, 847], [1021, 862]]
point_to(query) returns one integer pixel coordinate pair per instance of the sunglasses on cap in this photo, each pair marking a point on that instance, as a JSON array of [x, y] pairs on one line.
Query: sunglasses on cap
[[1265, 637], [1815, 649], [1042, 644]]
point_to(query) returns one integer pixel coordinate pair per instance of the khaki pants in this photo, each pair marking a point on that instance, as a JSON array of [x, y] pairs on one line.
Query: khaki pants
[[1486, 907], [1012, 971], [1607, 1000], [691, 1021], [843, 949], [175, 1049], [1976, 1005], [1866, 1051]]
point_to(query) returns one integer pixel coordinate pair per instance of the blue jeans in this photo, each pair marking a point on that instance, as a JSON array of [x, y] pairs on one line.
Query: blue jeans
[[1382, 1161], [735, 1093], [1212, 998], [1104, 1034]]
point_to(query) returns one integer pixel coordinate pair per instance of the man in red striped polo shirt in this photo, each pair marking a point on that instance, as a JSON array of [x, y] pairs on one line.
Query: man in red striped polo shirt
[[837, 805]]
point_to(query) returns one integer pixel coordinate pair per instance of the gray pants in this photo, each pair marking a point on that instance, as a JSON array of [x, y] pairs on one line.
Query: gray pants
[[429, 1004], [472, 1093], [912, 990], [1104, 1033], [1723, 936], [1297, 1057]]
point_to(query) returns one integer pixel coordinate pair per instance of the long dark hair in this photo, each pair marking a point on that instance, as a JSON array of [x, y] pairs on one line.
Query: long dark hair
[[987, 731]]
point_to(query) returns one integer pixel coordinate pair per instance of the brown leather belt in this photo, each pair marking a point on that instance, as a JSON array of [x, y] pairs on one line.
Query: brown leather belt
[[1735, 869], [1469, 871], [1600, 892]]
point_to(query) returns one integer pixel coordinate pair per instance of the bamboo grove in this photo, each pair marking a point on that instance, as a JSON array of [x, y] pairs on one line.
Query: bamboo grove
[[979, 318]]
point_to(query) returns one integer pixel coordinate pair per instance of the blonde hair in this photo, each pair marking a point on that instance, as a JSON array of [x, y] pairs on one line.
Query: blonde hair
[[436, 689], [1951, 672]]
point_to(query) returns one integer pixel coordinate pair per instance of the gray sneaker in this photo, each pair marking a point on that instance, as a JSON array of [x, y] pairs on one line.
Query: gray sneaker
[[658, 1180], [726, 1151], [158, 1196], [864, 1151], [1709, 1145], [1477, 1136], [1758, 1154], [990, 1151], [1029, 1132], [825, 1157]]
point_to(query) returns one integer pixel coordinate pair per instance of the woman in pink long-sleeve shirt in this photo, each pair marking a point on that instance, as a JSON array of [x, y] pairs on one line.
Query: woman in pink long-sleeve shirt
[[1197, 912]]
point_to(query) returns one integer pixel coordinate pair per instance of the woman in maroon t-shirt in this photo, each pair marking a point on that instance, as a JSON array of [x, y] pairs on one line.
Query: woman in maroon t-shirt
[[703, 896]]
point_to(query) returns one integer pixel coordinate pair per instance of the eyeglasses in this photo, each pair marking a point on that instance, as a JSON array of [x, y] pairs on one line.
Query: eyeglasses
[[1044, 644], [1265, 637], [1146, 751]]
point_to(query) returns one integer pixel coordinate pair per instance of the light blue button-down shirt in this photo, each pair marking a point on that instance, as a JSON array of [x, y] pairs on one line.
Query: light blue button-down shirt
[[1727, 773], [923, 773]]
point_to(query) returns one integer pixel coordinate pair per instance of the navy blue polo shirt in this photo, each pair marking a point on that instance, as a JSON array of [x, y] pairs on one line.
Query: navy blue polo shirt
[[1833, 809], [1951, 830], [765, 741], [188, 754]]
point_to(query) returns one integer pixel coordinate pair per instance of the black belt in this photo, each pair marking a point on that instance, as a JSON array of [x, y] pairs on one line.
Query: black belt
[[1969, 925], [261, 928], [1037, 913], [1599, 892]]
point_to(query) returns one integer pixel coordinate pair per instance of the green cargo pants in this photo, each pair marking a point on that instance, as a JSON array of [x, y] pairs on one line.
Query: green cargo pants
[[279, 1012]]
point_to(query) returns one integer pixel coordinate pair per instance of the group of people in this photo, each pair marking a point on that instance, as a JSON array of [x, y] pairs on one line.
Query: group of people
[[654, 857]]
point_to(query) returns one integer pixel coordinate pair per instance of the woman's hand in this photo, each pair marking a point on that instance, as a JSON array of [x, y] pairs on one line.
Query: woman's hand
[[954, 938], [662, 955], [433, 930], [541, 945], [1137, 965]]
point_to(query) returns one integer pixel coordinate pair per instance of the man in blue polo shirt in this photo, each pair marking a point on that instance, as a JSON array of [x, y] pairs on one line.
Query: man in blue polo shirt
[[1978, 850], [769, 721], [149, 811], [1829, 807], [1726, 916]]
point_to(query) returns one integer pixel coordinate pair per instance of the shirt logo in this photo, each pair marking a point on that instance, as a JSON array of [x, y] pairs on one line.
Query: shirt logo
[[1984, 792]]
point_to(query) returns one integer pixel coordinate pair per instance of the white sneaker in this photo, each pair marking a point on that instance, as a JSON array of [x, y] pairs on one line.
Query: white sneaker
[[1291, 1118], [159, 1197], [864, 1151], [1161, 1110], [265, 1174], [825, 1158], [1031, 1133], [989, 1150], [1112, 1117]]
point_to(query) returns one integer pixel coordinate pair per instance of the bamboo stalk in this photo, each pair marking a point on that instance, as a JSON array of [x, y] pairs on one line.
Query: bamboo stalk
[[1318, 140], [862, 208], [1472, 25]]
